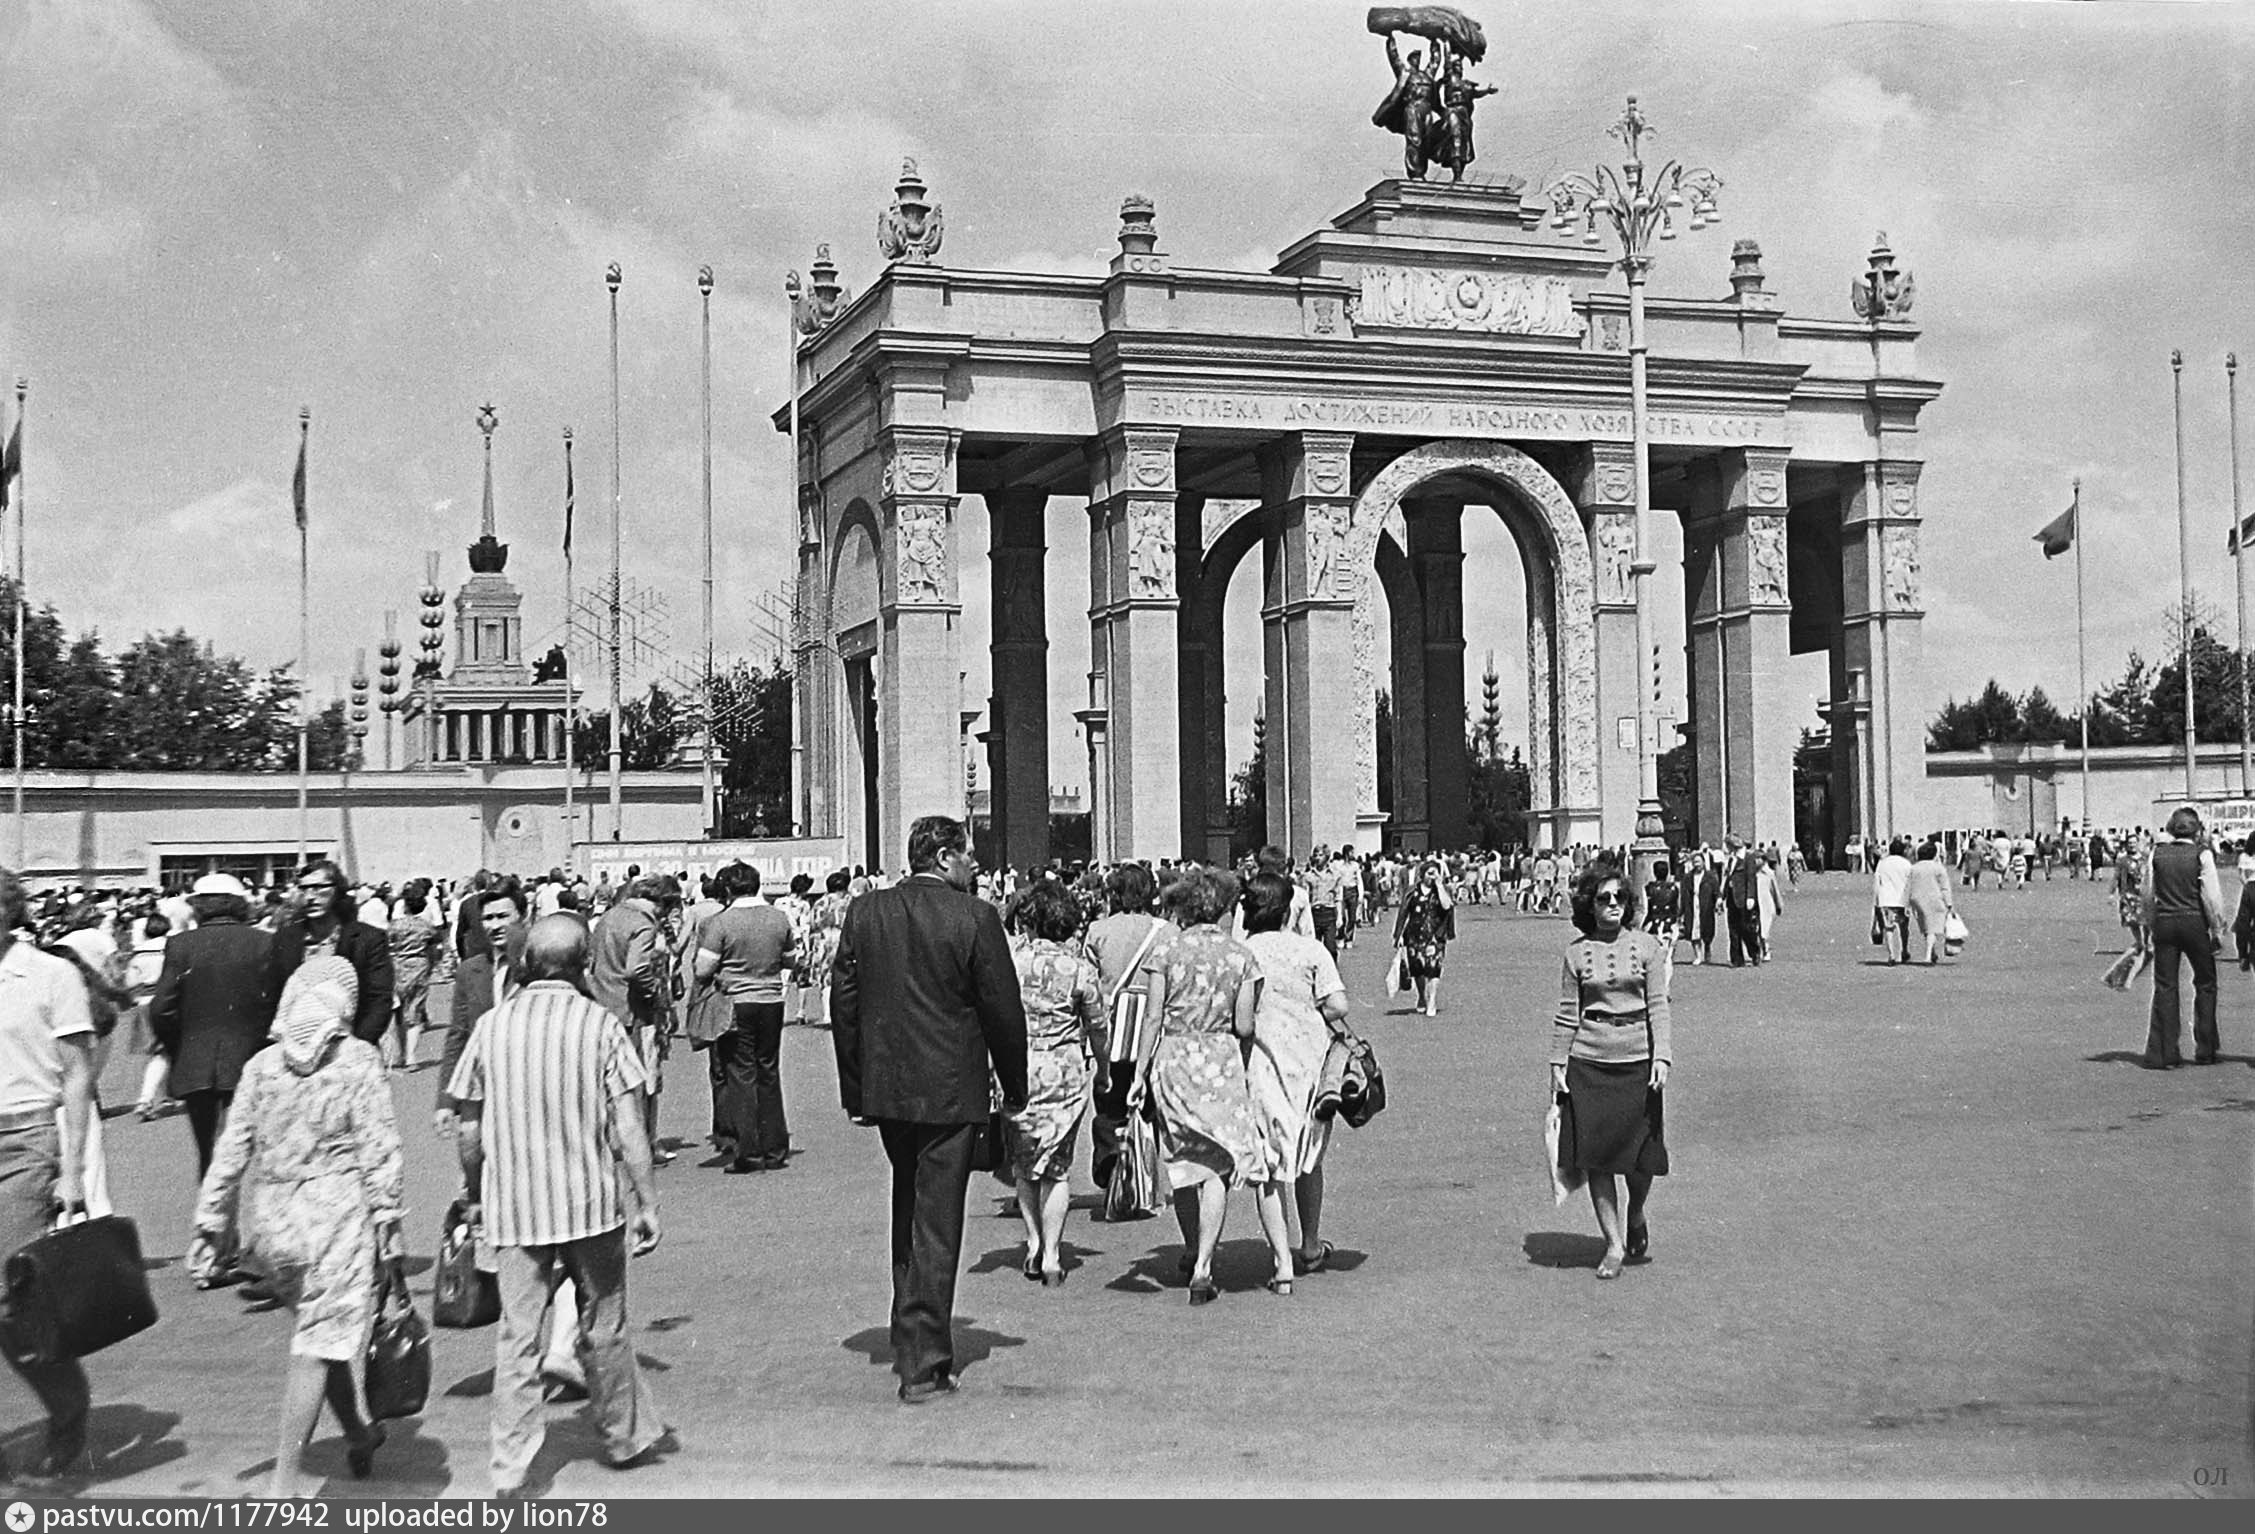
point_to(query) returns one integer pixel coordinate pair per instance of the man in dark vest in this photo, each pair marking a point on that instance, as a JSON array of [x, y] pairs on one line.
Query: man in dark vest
[[2184, 912], [1742, 903]]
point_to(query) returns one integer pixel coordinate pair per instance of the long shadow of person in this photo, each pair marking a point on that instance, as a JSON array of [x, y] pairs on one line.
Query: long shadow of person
[[122, 1439], [973, 1343], [1559, 1249]]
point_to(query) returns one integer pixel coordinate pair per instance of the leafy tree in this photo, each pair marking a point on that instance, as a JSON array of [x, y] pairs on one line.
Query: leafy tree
[[1497, 794], [2215, 670], [2121, 712], [2041, 721], [754, 707], [80, 714], [1994, 715]]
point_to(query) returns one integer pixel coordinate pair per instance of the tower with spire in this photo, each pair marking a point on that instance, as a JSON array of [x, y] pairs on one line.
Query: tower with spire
[[487, 708]]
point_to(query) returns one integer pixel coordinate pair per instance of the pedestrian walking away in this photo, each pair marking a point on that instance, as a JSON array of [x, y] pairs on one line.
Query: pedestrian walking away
[[926, 1019]]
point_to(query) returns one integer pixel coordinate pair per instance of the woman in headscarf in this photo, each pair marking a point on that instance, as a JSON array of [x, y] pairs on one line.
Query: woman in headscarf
[[307, 1180], [1423, 931], [1064, 1015]]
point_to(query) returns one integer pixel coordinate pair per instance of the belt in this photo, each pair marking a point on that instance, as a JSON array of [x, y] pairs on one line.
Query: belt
[[28, 1118]]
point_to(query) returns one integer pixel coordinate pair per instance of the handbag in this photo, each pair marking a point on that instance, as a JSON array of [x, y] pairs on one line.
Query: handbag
[[1137, 1188], [711, 1014], [74, 1291], [1878, 929], [399, 1351], [1954, 933], [1565, 1181], [1351, 1086], [462, 1295], [988, 1143]]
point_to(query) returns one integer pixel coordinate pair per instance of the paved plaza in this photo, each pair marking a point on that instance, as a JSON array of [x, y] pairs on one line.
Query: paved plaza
[[1928, 1230]]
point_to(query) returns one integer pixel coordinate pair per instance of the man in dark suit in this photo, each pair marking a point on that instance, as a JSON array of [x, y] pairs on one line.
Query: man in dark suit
[[322, 913], [924, 996], [1742, 903], [214, 1004], [481, 982]]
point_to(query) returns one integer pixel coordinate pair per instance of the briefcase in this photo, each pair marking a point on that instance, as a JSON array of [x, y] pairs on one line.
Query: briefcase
[[462, 1295], [74, 1291]]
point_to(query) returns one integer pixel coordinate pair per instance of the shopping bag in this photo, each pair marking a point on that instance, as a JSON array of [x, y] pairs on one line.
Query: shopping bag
[[1565, 1181], [75, 1291], [1954, 933], [1878, 928], [1137, 1188], [399, 1351], [461, 1294], [1397, 973]]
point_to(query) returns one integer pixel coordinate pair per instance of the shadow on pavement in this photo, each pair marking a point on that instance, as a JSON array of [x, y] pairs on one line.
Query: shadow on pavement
[[121, 1440], [1557, 1249], [1007, 1259], [973, 1344]]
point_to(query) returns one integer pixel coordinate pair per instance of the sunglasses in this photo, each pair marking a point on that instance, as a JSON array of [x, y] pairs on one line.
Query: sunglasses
[[1611, 897]]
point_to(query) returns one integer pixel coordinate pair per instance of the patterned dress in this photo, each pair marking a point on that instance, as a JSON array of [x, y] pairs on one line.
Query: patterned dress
[[1290, 1041], [1207, 1129], [1064, 1009], [310, 1160], [1424, 929]]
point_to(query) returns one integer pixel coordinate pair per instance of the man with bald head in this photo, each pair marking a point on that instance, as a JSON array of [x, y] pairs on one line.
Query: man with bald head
[[549, 1091]]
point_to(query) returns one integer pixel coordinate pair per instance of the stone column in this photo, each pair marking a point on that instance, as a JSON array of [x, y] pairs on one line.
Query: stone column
[[1604, 487], [1018, 754], [1198, 682], [1406, 609], [1742, 644], [814, 677], [919, 683], [1881, 626], [1308, 622], [1703, 669], [1132, 614], [1436, 554]]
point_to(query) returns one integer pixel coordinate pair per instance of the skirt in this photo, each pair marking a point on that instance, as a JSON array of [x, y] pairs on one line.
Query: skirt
[[1611, 1120]]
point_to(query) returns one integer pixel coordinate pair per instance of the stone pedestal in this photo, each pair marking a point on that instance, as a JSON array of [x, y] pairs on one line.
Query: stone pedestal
[[1019, 749], [1436, 555], [919, 682], [1307, 624], [1132, 612]]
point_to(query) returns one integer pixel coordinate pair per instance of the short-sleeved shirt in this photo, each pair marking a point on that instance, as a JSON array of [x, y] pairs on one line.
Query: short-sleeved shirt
[[42, 1002], [754, 941], [548, 1064]]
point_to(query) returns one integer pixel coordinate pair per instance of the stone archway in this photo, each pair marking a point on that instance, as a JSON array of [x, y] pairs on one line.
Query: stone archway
[[1562, 684]]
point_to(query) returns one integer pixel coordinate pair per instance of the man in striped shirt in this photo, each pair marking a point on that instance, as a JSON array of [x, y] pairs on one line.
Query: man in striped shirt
[[549, 1091]]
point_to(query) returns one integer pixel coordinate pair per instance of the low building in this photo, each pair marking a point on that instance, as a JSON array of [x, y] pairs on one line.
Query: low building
[[2034, 785]]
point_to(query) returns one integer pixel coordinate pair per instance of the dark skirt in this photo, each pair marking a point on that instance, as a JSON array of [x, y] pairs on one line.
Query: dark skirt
[[1611, 1119]]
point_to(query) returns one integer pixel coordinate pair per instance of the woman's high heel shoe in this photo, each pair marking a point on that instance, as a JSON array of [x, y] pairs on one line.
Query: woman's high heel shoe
[[1639, 1248], [1609, 1266]]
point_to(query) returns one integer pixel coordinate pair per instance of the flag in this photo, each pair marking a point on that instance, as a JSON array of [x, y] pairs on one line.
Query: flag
[[567, 499], [11, 462], [2242, 534], [297, 484], [2058, 535]]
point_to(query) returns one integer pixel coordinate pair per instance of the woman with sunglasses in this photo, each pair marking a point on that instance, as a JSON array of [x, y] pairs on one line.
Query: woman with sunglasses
[[1609, 1056]]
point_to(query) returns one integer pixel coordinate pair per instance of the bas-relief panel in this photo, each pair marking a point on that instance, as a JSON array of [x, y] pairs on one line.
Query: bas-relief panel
[[921, 575], [1900, 573], [1765, 562], [1151, 550], [1498, 303]]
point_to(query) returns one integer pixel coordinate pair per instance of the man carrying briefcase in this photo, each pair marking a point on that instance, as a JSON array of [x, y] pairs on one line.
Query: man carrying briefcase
[[46, 1063]]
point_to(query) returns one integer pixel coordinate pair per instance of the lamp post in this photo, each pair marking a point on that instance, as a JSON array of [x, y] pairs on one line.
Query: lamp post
[[712, 798], [2185, 633], [389, 686], [612, 277], [1639, 207]]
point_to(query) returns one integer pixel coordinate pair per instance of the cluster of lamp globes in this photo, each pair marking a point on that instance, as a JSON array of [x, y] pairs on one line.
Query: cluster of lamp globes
[[1627, 202]]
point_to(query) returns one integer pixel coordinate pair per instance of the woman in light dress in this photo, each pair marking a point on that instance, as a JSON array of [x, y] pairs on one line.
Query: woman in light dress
[[1302, 1007], [1064, 1015], [1204, 997], [1928, 894], [307, 1180]]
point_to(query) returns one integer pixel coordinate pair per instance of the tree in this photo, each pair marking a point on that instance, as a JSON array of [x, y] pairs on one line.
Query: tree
[[80, 715], [2215, 670], [1497, 794], [2121, 713], [754, 709], [2041, 721], [1994, 715]]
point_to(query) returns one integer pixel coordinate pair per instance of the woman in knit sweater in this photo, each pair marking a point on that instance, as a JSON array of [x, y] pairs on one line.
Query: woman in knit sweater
[[1609, 1055]]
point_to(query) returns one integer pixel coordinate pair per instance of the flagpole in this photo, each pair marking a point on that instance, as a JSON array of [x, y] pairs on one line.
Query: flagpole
[[612, 277], [23, 599], [2239, 575], [2184, 582], [2082, 673], [712, 797], [571, 704], [305, 627]]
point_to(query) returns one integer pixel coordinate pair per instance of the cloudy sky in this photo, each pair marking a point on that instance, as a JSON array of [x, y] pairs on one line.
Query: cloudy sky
[[394, 210]]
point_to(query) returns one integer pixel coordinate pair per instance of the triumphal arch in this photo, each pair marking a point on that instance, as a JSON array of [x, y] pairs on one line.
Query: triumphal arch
[[1433, 354]]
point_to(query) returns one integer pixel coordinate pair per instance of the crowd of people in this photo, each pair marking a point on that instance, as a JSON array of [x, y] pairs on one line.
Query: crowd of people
[[1192, 1020]]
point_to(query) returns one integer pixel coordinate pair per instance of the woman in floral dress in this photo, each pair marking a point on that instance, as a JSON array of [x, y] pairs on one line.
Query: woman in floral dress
[[1423, 931], [307, 1179], [1204, 996], [828, 921], [1064, 1013]]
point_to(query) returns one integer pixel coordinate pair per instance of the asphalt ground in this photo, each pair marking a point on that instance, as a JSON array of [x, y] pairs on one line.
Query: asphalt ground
[[1928, 1231]]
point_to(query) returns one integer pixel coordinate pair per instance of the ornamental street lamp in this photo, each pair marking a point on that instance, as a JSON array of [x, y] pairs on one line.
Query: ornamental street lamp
[[1638, 207]]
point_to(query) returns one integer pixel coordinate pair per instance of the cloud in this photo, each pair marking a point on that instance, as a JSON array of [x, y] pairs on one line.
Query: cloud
[[247, 505]]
